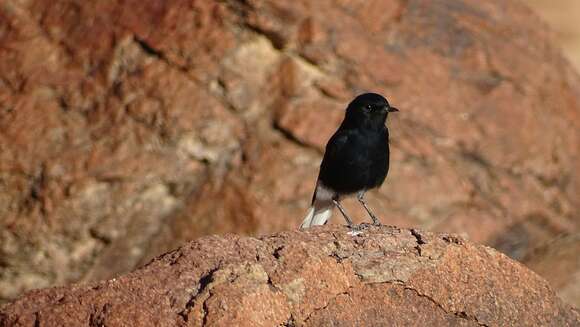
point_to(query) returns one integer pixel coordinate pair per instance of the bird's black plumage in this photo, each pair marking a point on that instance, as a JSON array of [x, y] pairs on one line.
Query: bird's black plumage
[[356, 158]]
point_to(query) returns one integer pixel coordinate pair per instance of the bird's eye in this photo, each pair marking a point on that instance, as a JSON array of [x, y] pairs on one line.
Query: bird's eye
[[369, 107]]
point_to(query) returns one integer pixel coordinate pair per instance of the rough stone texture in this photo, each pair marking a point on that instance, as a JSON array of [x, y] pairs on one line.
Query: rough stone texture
[[382, 277], [559, 262], [127, 127]]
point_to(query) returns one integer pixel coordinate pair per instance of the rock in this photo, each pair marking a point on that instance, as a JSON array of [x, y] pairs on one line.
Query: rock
[[558, 261], [127, 128], [383, 276]]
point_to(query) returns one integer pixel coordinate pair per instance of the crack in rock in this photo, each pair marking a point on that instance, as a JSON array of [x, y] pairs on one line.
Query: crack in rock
[[420, 241], [327, 304], [460, 314], [204, 282]]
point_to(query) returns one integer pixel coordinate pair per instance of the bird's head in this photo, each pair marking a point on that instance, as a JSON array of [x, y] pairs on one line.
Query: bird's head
[[368, 110]]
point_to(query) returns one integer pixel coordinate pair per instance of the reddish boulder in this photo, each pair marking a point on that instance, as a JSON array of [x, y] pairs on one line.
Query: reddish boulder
[[129, 127], [382, 276]]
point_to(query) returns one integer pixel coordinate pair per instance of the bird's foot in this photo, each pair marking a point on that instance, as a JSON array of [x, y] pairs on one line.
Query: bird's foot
[[356, 229], [376, 221], [365, 225], [360, 228], [355, 232]]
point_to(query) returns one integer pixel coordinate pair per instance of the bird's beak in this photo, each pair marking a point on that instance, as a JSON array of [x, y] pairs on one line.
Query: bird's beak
[[392, 109]]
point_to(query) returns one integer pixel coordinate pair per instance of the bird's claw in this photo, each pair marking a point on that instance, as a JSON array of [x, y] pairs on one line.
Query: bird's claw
[[355, 229], [355, 232]]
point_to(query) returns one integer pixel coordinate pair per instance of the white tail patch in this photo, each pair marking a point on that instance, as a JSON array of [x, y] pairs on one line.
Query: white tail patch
[[318, 217], [321, 208]]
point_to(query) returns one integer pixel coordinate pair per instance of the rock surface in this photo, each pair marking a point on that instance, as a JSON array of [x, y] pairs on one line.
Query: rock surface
[[129, 127], [384, 276]]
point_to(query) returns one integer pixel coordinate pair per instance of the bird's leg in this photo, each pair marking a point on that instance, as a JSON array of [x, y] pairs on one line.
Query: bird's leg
[[362, 201], [346, 217]]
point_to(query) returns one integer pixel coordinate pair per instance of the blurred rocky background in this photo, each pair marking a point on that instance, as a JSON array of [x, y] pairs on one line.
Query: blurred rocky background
[[129, 127], [562, 16]]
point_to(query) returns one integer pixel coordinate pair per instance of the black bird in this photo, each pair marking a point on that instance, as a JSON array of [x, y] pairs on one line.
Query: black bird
[[356, 159]]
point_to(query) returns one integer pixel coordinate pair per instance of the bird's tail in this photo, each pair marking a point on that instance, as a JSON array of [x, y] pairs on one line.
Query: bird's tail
[[317, 215]]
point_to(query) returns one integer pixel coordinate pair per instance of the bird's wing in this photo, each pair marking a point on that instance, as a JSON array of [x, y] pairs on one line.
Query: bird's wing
[[337, 153], [333, 153], [335, 146]]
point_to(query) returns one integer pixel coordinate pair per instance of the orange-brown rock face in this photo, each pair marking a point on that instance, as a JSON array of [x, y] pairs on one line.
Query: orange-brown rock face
[[382, 277], [129, 127]]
